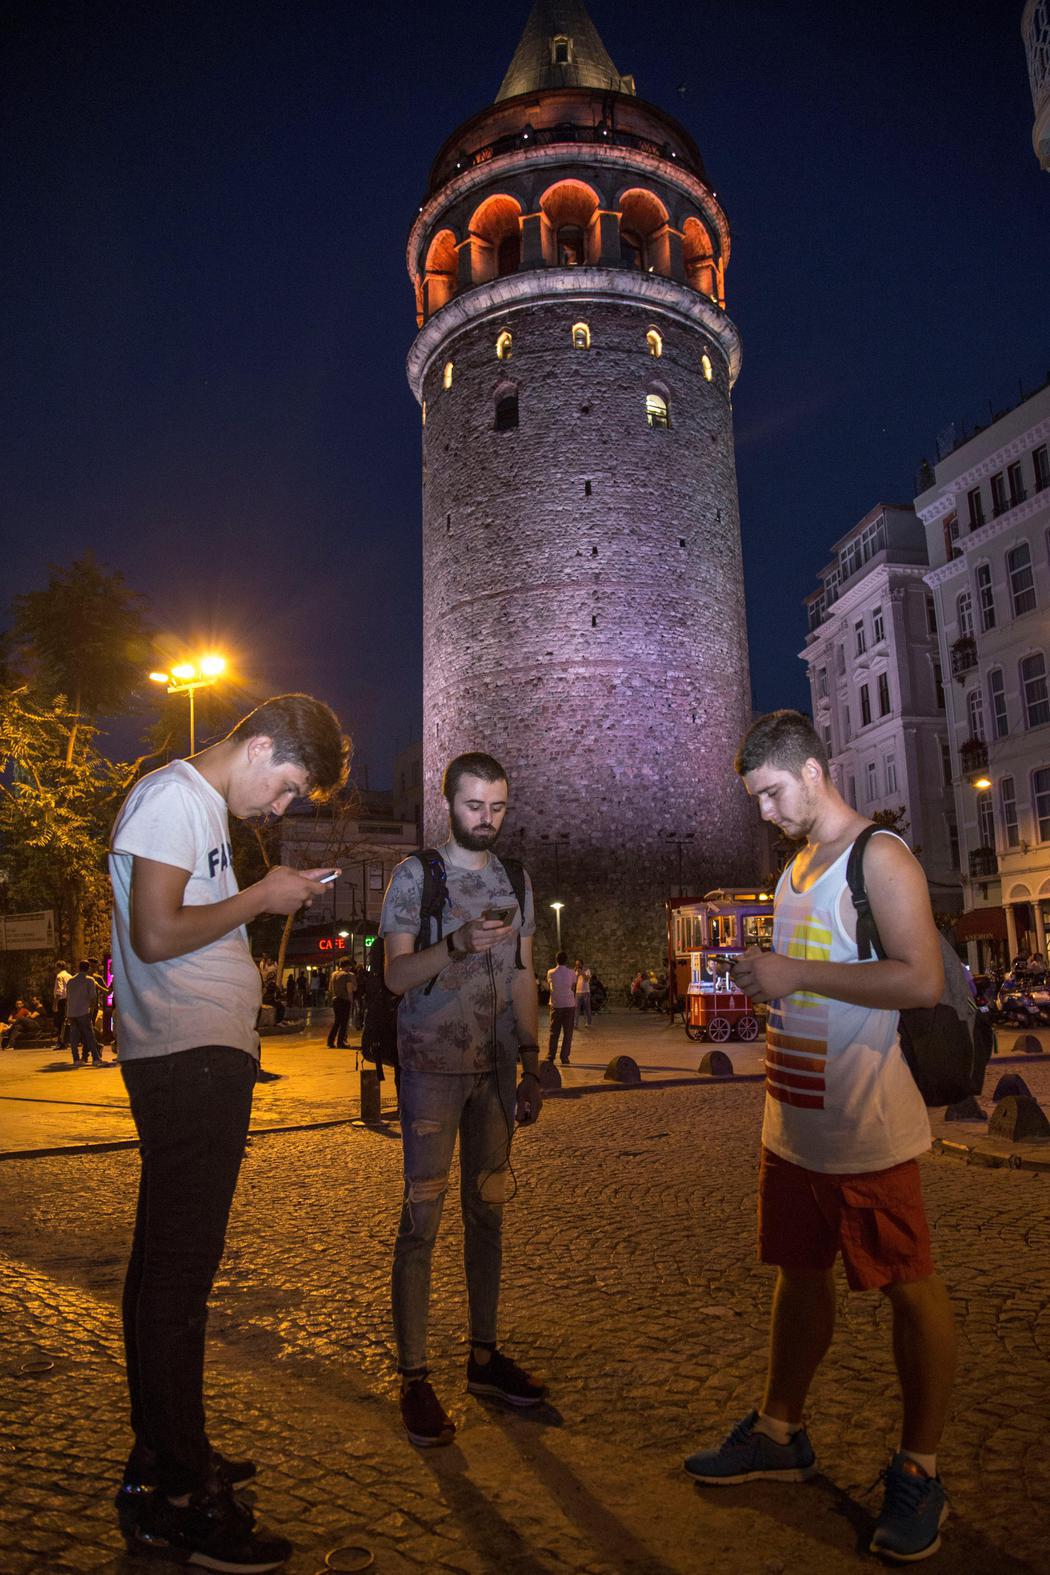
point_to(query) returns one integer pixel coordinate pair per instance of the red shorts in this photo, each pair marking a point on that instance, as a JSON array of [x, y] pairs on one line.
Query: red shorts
[[876, 1220]]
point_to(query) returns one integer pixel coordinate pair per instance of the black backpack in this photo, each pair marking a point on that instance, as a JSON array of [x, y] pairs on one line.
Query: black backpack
[[379, 1022], [946, 1046]]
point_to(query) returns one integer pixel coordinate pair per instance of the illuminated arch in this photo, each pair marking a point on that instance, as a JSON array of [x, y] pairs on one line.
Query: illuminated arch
[[707, 367], [439, 273], [495, 232], [446, 376], [643, 231], [699, 258], [569, 210], [654, 339], [657, 404], [581, 336], [504, 345]]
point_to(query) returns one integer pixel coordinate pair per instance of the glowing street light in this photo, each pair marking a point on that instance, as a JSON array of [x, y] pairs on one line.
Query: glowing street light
[[558, 906], [185, 678]]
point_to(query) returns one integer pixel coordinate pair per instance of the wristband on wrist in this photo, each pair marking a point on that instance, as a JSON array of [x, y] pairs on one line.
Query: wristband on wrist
[[453, 949]]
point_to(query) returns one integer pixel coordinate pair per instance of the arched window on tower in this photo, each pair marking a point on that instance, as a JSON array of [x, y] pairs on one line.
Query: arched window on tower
[[581, 336], [505, 346], [706, 367], [657, 410], [561, 50], [446, 376], [655, 343], [506, 407]]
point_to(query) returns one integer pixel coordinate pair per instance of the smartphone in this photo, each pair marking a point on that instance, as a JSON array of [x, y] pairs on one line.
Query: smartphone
[[326, 880], [504, 915]]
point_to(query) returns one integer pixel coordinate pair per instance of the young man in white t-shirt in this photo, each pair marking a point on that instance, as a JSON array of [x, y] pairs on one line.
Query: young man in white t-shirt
[[844, 1124], [188, 993]]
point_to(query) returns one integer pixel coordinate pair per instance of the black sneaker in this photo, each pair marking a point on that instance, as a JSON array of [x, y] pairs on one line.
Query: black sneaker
[[213, 1531], [501, 1377], [141, 1477], [426, 1421]]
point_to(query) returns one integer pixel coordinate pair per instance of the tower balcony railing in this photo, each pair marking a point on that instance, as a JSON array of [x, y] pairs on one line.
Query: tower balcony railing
[[964, 657], [984, 863], [569, 131]]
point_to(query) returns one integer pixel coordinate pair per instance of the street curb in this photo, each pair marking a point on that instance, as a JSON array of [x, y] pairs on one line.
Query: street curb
[[970, 1154]]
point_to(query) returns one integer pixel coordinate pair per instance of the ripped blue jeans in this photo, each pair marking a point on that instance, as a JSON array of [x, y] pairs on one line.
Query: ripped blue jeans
[[435, 1107]]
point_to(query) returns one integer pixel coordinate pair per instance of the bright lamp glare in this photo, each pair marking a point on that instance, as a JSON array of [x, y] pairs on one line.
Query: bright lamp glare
[[158, 678], [212, 666], [184, 670]]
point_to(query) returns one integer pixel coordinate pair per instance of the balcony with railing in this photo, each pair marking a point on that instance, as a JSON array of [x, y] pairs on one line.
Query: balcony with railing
[[964, 657], [973, 756], [984, 863]]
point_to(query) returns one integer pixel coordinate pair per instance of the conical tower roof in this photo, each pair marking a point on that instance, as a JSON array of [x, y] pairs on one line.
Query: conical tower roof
[[561, 47]]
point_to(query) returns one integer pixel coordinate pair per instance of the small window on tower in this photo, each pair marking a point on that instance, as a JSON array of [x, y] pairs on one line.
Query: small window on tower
[[561, 50], [655, 343], [506, 411], [504, 346], [424, 412], [656, 411], [446, 376], [708, 369], [581, 336]]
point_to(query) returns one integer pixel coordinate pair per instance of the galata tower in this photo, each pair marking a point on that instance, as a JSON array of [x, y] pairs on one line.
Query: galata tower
[[582, 583]]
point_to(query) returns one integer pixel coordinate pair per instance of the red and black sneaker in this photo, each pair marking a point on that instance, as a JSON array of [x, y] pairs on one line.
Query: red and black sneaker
[[504, 1379], [427, 1423]]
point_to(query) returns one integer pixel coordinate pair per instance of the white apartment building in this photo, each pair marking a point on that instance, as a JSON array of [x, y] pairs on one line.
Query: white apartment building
[[874, 673], [987, 521]]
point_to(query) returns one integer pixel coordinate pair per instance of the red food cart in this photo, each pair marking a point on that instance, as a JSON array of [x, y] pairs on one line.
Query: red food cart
[[703, 938]]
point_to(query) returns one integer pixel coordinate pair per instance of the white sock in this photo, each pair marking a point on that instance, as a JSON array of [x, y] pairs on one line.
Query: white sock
[[780, 1432], [927, 1462]]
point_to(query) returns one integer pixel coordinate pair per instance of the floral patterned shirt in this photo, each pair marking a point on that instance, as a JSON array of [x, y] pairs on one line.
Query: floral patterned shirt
[[465, 1021]]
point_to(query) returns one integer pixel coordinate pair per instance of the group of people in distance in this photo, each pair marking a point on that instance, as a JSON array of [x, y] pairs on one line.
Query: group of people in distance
[[842, 1130]]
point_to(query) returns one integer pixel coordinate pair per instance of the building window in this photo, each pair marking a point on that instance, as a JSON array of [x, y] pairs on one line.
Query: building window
[[976, 508], [1041, 467], [891, 774], [946, 762], [884, 694], [1021, 579], [985, 820], [825, 734], [998, 494], [851, 792], [506, 412], [861, 644], [446, 376], [953, 844], [951, 537], [878, 628], [997, 699], [655, 343], [975, 712], [707, 368], [964, 614], [1008, 810], [424, 412], [822, 683], [840, 659], [1041, 802], [938, 686], [504, 346], [581, 336], [847, 727], [873, 790], [865, 706], [1015, 482], [985, 596], [656, 411], [561, 50], [931, 615], [1035, 697]]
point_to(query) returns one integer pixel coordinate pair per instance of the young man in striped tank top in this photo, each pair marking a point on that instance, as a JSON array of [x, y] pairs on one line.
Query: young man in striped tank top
[[843, 1126]]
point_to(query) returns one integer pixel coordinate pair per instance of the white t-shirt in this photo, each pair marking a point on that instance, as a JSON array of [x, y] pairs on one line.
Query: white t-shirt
[[207, 997], [583, 982], [562, 981], [839, 1096]]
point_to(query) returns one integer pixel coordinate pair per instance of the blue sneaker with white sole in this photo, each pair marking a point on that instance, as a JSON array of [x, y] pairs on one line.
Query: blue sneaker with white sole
[[747, 1456], [913, 1512]]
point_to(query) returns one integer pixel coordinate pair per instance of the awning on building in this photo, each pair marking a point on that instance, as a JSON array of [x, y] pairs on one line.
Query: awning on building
[[981, 924]]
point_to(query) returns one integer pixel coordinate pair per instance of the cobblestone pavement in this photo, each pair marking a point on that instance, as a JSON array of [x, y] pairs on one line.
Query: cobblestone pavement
[[630, 1285]]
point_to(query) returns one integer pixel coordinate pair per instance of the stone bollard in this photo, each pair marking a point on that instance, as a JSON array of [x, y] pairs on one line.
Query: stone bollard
[[1028, 1044], [550, 1077], [965, 1110], [715, 1064], [622, 1069], [1018, 1117], [371, 1104], [1011, 1083]]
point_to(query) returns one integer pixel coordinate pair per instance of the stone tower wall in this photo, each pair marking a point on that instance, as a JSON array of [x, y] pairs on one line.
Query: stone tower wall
[[583, 609]]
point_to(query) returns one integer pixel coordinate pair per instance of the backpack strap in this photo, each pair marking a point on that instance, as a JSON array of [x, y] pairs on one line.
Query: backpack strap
[[868, 941], [432, 901], [515, 871]]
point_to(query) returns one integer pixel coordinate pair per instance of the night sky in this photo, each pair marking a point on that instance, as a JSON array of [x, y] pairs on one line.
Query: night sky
[[205, 209]]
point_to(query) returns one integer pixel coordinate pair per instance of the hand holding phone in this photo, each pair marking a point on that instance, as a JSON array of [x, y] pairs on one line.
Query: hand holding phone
[[503, 915]]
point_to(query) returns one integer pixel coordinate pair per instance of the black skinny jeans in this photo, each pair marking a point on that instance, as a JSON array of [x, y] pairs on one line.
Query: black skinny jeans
[[191, 1111]]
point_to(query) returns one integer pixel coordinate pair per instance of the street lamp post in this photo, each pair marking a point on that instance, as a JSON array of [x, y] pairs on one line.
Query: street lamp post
[[558, 906], [185, 678]]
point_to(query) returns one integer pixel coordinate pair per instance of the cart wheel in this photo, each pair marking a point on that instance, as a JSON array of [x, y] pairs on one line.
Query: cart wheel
[[747, 1029], [694, 1031], [718, 1030]]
